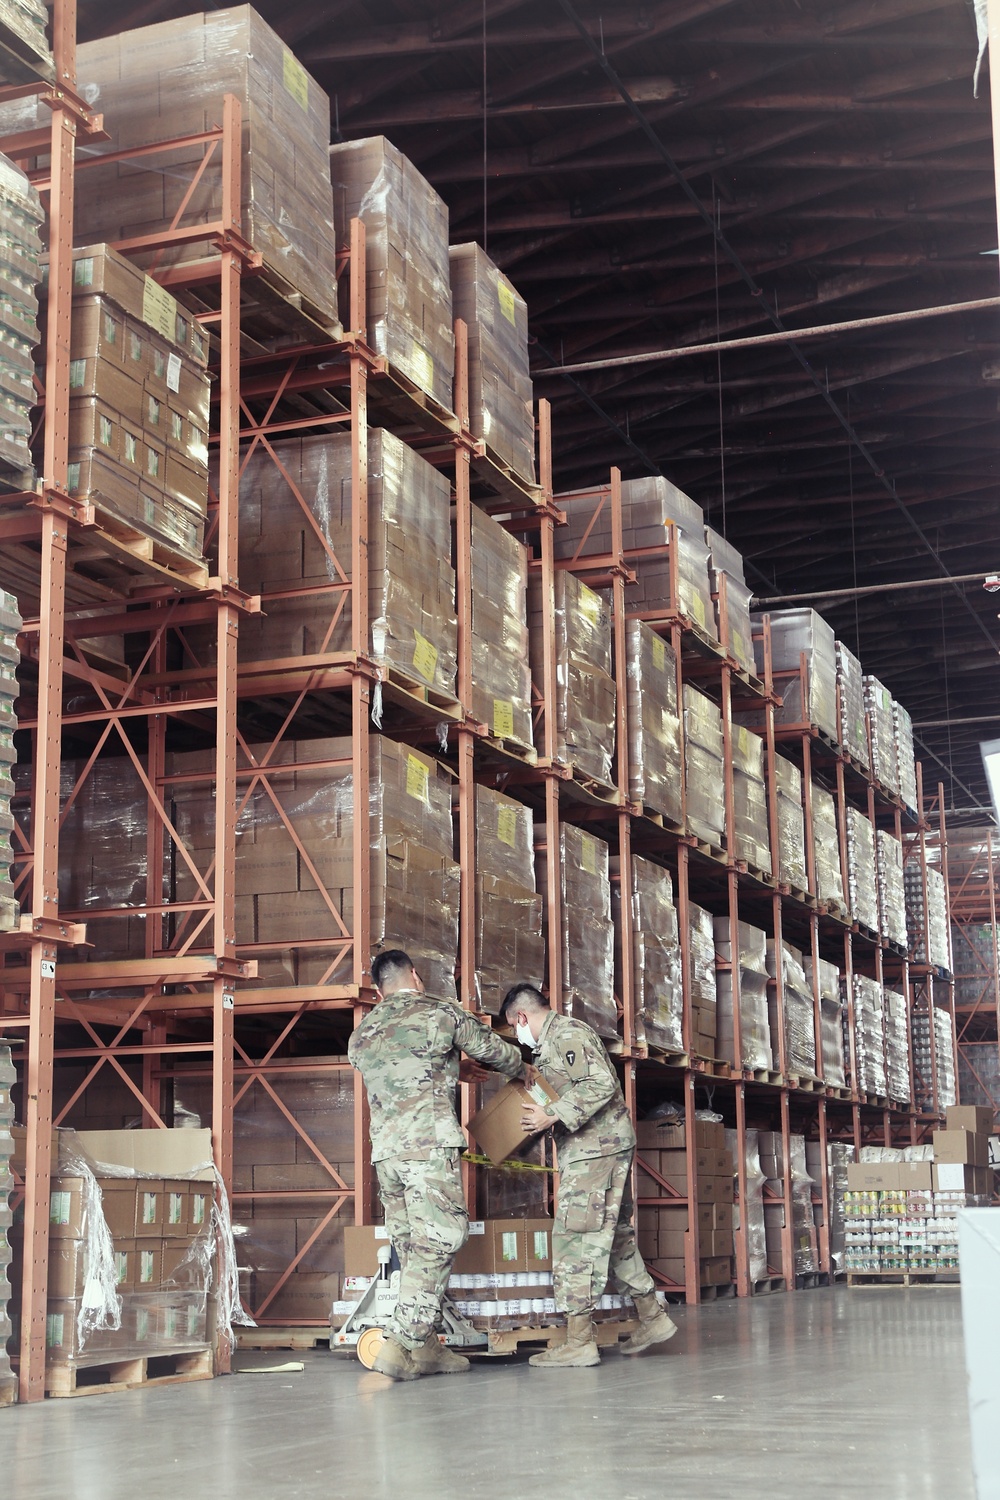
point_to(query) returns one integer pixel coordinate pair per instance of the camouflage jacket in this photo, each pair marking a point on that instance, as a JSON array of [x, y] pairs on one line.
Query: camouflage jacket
[[590, 1111], [407, 1051]]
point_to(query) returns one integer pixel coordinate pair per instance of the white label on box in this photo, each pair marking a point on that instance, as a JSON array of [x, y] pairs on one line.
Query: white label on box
[[381, 1233], [59, 1207], [951, 1177], [477, 1226], [174, 372], [175, 1208], [54, 1330], [149, 1208], [540, 1249], [508, 1245]]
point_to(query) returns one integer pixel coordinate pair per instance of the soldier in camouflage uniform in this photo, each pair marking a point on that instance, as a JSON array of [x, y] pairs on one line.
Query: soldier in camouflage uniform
[[407, 1051], [593, 1226]]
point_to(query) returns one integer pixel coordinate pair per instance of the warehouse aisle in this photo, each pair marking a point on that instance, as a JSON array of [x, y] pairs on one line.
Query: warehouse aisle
[[827, 1393]]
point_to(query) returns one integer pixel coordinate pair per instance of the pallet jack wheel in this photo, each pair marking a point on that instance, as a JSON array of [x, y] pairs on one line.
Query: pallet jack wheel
[[369, 1345]]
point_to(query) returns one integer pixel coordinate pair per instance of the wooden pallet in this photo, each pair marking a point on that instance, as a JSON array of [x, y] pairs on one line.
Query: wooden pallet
[[718, 1293], [397, 684], [145, 548], [766, 1285], [805, 1084], [669, 1059], [494, 481], [765, 1075], [810, 1280], [528, 755], [128, 1374], [20, 62], [660, 820], [599, 791], [314, 1337], [8, 1390], [711, 851], [274, 315], [861, 1279], [507, 1340], [759, 874]]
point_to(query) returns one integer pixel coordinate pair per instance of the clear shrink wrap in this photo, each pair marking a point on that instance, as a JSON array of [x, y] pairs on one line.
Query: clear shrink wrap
[[655, 767], [25, 53], [656, 955], [588, 943], [20, 218], [869, 1034], [751, 1209], [831, 1019], [927, 927], [295, 859], [799, 1012], [501, 410], [804, 666], [702, 979], [751, 964], [751, 833], [585, 688], [861, 873], [804, 1237], [791, 824], [938, 1039], [851, 705], [891, 894], [878, 704], [704, 765], [654, 514], [839, 1157], [296, 523], [163, 82], [10, 658], [509, 942], [906, 765], [826, 850], [507, 1192], [732, 599], [406, 249], [897, 1047], [501, 672]]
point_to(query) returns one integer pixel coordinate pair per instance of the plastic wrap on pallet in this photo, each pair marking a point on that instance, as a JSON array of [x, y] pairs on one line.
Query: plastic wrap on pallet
[[826, 849], [905, 762], [702, 980], [409, 276], [25, 51], [931, 923], [704, 766], [892, 899], [839, 1157], [20, 218], [897, 1047], [500, 391], [798, 633], [869, 1034], [656, 956], [655, 770], [751, 963], [799, 1012], [791, 824], [168, 81], [804, 1238], [501, 673], [732, 603], [10, 657], [585, 689], [861, 872], [940, 1042], [878, 704], [588, 944], [831, 1019], [751, 834], [507, 1191], [296, 526], [850, 687], [508, 909], [751, 1209]]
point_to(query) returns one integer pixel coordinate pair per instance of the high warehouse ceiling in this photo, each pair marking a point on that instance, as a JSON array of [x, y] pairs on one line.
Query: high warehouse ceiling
[[671, 174]]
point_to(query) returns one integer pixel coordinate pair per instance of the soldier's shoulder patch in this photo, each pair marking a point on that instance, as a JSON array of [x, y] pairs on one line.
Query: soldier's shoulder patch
[[575, 1060]]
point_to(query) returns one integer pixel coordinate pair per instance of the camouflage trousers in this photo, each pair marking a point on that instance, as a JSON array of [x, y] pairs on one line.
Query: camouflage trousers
[[593, 1234], [428, 1224]]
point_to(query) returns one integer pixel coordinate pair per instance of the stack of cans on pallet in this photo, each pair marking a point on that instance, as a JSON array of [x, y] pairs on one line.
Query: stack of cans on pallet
[[851, 705], [878, 702], [863, 893], [942, 1040], [892, 902], [10, 624], [897, 1055], [905, 762], [927, 926], [869, 1035], [20, 218], [8, 1385]]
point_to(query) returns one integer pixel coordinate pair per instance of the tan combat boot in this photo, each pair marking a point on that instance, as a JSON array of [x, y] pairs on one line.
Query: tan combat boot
[[578, 1352], [654, 1325], [433, 1358], [396, 1362]]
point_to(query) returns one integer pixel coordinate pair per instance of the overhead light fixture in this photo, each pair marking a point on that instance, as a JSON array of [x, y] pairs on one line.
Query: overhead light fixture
[[989, 252], [990, 751]]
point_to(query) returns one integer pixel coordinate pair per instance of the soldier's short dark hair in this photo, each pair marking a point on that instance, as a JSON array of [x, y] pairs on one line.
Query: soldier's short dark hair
[[525, 997], [390, 965]]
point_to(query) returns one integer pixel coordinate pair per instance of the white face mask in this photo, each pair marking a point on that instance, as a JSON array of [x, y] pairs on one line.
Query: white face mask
[[524, 1036]]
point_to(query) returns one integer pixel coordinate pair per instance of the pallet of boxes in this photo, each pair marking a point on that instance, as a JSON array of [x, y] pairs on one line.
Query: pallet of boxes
[[666, 1217], [901, 1216], [132, 1253]]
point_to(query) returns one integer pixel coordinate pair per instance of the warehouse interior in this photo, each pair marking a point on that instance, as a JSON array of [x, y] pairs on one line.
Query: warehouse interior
[[575, 425]]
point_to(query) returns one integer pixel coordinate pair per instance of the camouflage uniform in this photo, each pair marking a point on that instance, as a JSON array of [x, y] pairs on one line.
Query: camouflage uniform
[[407, 1051], [596, 1144]]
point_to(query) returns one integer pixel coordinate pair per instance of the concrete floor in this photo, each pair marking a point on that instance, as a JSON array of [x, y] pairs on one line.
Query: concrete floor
[[829, 1394]]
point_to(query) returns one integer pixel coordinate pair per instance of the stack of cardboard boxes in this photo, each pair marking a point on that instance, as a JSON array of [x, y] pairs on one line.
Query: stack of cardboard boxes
[[656, 953], [25, 51], [778, 1169], [862, 885], [501, 671], [8, 1077], [826, 852], [702, 979], [500, 390], [704, 762], [751, 834], [827, 980], [732, 599], [656, 771], [798, 1009], [743, 972], [587, 937], [509, 943], [662, 1229], [10, 656], [20, 217], [934, 1058], [804, 665], [791, 825], [585, 695]]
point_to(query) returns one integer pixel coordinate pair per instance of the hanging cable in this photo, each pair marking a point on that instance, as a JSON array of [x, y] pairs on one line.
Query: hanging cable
[[485, 127], [854, 537], [718, 361]]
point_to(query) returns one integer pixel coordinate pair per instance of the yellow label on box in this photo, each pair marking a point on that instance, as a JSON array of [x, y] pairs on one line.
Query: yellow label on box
[[590, 605], [743, 741], [739, 648], [659, 653], [422, 368], [417, 778], [507, 826], [425, 656], [588, 854], [296, 80], [159, 309], [698, 606], [503, 718], [508, 301]]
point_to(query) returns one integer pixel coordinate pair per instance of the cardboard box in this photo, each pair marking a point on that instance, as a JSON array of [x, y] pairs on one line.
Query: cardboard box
[[915, 1175], [149, 1209], [958, 1177], [974, 1117], [66, 1208], [961, 1146], [496, 1128], [67, 1268], [872, 1177]]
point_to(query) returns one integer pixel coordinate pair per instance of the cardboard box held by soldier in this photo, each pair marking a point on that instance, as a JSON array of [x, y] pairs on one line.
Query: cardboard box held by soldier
[[497, 1126]]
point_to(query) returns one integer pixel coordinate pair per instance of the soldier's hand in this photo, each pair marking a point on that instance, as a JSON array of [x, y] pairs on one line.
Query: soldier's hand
[[472, 1072], [534, 1118]]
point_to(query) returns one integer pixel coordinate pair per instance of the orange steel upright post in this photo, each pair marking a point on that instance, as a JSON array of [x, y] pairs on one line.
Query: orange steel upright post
[[466, 734], [624, 814], [553, 883]]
